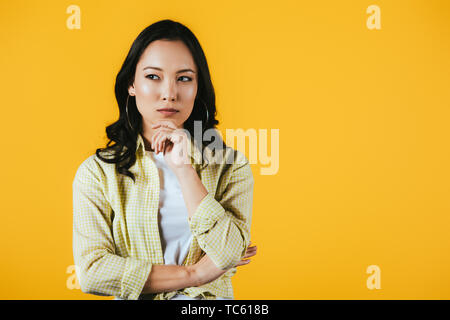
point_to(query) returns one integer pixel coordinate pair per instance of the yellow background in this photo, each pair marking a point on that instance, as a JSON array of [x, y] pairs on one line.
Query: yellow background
[[363, 115]]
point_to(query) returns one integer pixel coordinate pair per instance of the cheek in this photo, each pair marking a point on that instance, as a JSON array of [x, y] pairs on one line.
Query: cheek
[[190, 92], [144, 89], [145, 95]]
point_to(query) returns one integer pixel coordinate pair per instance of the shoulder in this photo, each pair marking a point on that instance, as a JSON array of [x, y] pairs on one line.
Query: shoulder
[[93, 167]]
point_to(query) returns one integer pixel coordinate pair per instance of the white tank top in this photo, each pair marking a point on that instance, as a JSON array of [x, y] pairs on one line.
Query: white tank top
[[176, 236]]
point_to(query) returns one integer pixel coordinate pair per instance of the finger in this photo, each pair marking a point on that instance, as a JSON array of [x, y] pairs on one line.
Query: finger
[[243, 262], [162, 137], [169, 138], [175, 138], [253, 252], [159, 139], [250, 254], [167, 147], [164, 142], [156, 143], [153, 140]]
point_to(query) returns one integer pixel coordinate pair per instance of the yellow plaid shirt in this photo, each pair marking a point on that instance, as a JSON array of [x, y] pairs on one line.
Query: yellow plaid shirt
[[115, 223]]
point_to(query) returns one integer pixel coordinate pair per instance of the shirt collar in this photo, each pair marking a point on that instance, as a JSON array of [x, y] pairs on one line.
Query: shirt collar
[[195, 154]]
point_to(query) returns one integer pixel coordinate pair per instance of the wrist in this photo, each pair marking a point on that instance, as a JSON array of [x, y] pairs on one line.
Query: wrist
[[184, 170]]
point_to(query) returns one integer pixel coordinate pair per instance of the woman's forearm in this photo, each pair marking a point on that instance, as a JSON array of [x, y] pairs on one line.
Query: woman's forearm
[[192, 188], [166, 278]]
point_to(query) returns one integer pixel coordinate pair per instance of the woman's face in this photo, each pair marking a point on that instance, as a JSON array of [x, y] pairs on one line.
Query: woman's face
[[166, 77]]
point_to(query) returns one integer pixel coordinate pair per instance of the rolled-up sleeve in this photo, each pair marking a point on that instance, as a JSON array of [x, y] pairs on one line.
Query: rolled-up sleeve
[[99, 270], [222, 227]]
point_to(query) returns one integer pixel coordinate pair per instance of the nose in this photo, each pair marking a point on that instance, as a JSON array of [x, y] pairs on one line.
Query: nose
[[169, 92]]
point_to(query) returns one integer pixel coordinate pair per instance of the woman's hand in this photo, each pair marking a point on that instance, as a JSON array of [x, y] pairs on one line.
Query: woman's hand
[[205, 270], [173, 142]]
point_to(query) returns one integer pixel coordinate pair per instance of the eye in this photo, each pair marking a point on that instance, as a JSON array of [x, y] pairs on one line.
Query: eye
[[189, 78], [150, 75]]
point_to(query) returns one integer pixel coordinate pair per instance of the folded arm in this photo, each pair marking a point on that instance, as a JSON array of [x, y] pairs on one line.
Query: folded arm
[[222, 227]]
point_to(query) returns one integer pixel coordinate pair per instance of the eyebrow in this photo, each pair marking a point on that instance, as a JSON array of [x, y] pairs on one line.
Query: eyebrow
[[179, 71]]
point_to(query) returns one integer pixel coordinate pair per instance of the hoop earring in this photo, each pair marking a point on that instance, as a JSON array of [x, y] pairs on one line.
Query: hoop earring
[[128, 119], [207, 113]]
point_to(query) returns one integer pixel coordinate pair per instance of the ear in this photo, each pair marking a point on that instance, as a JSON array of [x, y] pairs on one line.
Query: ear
[[131, 90]]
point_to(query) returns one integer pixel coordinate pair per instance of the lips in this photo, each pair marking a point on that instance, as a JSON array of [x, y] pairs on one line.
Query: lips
[[168, 109]]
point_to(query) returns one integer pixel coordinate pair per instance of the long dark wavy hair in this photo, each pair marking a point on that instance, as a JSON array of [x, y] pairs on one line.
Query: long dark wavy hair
[[123, 152]]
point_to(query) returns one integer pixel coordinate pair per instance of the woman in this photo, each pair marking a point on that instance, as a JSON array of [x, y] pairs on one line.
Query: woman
[[156, 215]]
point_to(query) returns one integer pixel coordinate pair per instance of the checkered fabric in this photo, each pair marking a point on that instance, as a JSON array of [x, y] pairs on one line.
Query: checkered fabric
[[115, 223]]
